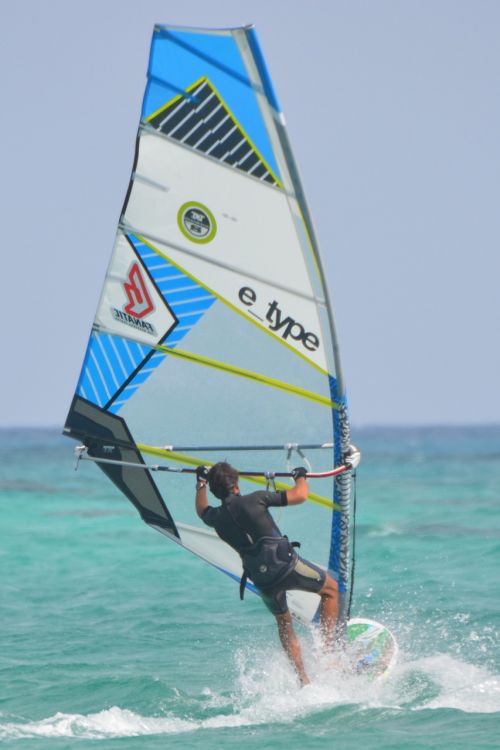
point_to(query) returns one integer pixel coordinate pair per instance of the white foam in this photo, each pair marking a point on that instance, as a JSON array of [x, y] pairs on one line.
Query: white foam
[[266, 691], [113, 722], [385, 530], [461, 685]]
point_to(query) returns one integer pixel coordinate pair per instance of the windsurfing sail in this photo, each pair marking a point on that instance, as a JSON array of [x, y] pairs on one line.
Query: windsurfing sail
[[214, 336]]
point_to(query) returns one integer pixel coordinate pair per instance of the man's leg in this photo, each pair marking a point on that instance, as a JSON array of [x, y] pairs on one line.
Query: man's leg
[[291, 644], [329, 610]]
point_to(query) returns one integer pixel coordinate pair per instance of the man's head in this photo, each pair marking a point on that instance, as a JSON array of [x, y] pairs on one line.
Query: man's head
[[222, 480]]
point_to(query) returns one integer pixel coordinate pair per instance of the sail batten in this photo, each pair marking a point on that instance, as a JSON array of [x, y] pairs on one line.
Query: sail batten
[[198, 359], [147, 129], [143, 235]]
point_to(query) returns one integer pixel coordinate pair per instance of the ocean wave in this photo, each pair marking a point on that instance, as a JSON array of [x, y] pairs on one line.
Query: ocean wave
[[266, 692], [113, 722]]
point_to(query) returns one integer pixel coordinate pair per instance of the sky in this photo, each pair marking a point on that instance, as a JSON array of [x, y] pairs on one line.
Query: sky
[[393, 112]]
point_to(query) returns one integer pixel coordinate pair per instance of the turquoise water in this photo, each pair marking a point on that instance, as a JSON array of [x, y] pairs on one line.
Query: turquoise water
[[112, 637]]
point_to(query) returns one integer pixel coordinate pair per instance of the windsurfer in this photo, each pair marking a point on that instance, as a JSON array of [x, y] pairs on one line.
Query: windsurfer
[[269, 559]]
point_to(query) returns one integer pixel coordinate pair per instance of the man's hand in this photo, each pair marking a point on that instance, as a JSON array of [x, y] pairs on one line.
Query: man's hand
[[298, 473], [202, 474], [298, 494]]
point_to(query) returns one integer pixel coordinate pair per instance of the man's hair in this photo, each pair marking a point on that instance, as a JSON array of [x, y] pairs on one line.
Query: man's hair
[[222, 478]]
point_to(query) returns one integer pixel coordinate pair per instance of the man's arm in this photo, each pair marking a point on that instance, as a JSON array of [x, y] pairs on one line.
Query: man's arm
[[298, 494], [201, 499]]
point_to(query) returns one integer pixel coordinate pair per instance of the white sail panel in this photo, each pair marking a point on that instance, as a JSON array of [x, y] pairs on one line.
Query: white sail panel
[[130, 304], [254, 260]]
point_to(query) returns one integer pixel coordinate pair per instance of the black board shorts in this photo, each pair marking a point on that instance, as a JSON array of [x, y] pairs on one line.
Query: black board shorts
[[304, 577]]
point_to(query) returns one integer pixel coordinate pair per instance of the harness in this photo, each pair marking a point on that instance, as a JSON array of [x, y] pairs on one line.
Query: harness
[[266, 562]]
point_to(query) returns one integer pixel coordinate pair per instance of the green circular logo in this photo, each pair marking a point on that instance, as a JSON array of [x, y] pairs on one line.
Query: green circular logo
[[196, 222]]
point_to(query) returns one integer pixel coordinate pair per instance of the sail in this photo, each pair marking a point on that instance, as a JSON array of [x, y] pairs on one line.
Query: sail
[[214, 326]]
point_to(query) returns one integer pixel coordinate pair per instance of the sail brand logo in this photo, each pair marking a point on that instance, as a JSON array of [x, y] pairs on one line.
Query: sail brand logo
[[139, 303], [196, 222], [287, 327]]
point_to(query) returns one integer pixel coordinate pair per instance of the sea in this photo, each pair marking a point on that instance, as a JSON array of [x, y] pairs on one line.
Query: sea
[[111, 637]]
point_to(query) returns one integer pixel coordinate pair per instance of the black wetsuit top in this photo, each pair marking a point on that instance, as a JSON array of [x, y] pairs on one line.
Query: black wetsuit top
[[242, 520]]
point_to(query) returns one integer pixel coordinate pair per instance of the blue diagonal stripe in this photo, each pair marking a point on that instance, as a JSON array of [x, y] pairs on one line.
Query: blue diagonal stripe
[[111, 360]]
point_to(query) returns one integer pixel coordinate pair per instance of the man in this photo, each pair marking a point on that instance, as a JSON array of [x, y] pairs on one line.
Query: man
[[245, 523]]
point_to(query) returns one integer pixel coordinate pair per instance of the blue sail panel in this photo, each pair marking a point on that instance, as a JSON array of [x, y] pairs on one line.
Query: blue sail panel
[[109, 363], [181, 58]]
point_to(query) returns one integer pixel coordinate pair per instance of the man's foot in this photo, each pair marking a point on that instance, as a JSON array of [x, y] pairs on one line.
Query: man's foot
[[304, 680]]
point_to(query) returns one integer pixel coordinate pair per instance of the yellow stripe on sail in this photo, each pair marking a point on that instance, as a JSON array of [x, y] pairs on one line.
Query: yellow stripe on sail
[[140, 238], [256, 376], [151, 450]]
